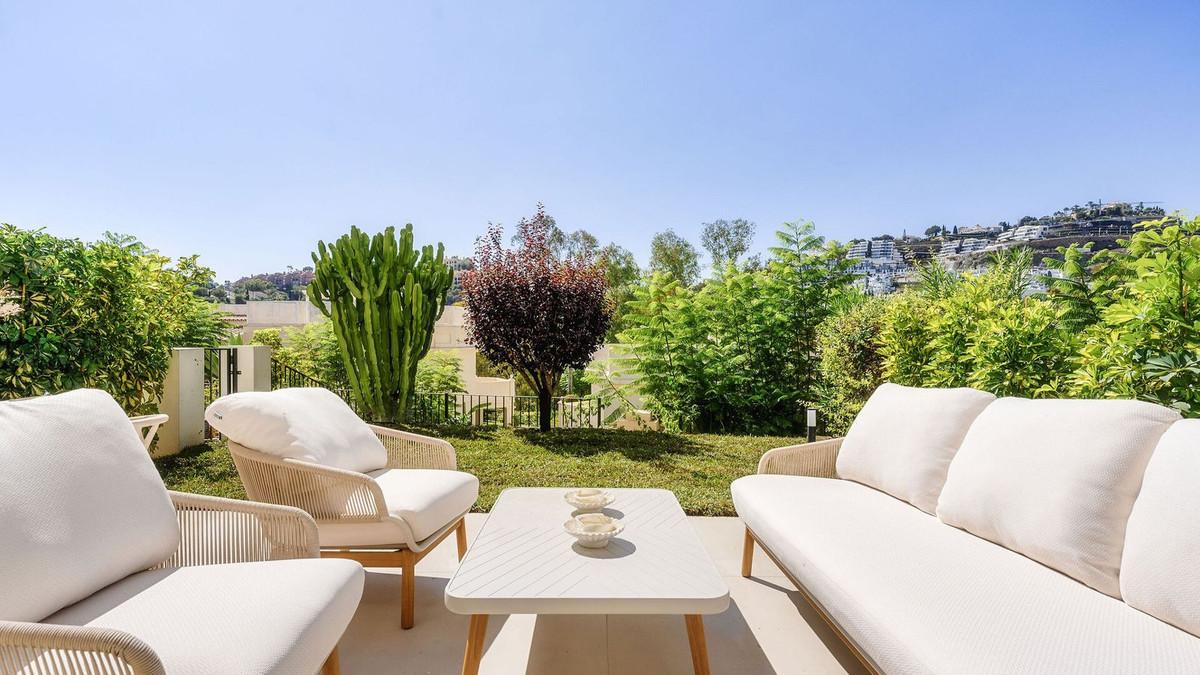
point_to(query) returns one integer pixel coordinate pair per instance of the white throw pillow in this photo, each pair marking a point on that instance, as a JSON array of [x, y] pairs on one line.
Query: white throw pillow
[[81, 504], [1160, 570], [904, 438], [311, 424], [1055, 480]]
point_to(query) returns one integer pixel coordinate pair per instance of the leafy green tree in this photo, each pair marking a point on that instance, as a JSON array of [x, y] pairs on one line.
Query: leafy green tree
[[727, 241], [101, 315], [623, 274], [674, 255], [581, 244], [738, 352]]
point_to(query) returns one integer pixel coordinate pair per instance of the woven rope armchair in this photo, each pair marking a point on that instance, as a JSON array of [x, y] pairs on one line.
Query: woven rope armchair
[[336, 497], [212, 530]]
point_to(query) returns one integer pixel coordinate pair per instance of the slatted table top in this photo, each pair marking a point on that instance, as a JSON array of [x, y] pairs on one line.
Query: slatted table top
[[524, 562]]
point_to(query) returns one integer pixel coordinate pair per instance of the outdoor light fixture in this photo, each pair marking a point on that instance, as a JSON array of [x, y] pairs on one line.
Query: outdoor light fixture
[[812, 424]]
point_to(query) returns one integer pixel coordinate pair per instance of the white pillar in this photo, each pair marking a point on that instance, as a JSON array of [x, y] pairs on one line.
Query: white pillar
[[183, 402], [254, 368]]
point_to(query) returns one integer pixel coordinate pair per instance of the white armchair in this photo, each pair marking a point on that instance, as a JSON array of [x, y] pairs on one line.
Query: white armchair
[[380, 496], [104, 571]]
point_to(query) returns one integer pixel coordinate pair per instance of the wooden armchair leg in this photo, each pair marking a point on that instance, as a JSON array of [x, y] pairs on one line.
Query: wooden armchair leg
[[747, 553], [331, 666], [460, 534], [408, 587]]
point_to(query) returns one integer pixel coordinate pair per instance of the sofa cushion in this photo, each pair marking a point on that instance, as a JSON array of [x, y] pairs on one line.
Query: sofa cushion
[[81, 504], [904, 438], [917, 596], [426, 500], [1160, 569], [1055, 480], [307, 423], [280, 617]]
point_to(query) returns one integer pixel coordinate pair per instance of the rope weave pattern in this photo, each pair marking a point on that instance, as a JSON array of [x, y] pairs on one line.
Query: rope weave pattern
[[215, 531], [41, 649], [413, 451], [329, 494], [809, 459]]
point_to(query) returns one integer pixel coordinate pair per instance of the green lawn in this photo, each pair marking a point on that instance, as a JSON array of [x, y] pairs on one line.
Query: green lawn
[[696, 467]]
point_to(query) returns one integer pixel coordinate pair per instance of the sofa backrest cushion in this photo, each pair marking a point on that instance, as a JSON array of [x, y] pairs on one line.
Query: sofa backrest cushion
[[1160, 569], [81, 504], [308, 423], [904, 438], [1055, 480]]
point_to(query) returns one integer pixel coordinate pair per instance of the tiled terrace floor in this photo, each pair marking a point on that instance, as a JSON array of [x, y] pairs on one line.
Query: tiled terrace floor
[[768, 627]]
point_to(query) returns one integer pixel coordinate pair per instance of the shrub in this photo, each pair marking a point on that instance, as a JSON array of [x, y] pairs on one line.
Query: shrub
[[739, 352], [851, 364], [1021, 348], [906, 338], [1146, 344], [439, 372], [101, 315]]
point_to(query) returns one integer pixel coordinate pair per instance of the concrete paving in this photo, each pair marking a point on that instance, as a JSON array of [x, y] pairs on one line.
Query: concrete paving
[[768, 628]]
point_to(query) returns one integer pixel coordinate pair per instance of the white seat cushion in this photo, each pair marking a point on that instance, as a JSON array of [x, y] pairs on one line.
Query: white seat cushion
[[904, 438], [1055, 480], [1160, 569], [81, 504], [274, 617], [426, 500], [307, 423], [920, 597]]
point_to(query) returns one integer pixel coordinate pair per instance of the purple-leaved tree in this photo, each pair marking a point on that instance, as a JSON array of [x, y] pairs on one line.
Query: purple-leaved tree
[[532, 311]]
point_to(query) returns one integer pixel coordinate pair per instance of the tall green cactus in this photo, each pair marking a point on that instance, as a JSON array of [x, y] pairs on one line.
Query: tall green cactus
[[383, 298]]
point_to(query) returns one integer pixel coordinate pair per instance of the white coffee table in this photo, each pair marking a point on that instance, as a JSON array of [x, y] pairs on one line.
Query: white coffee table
[[523, 562]]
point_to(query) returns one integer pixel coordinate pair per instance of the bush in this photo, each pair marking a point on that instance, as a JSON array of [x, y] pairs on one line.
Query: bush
[[1021, 348], [850, 364], [739, 352], [906, 338], [101, 315], [1146, 344], [311, 349], [440, 372]]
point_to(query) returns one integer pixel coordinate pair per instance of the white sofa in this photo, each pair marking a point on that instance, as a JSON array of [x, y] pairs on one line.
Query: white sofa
[[103, 571], [952, 533]]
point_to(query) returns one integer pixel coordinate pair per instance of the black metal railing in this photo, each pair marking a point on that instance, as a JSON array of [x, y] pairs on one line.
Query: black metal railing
[[284, 376], [460, 409], [481, 410], [220, 377]]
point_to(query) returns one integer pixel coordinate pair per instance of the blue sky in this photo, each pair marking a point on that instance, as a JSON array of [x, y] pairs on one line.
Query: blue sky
[[245, 131]]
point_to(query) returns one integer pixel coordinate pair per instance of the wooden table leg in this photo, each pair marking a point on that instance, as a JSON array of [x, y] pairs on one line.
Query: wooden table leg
[[695, 630], [475, 637]]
